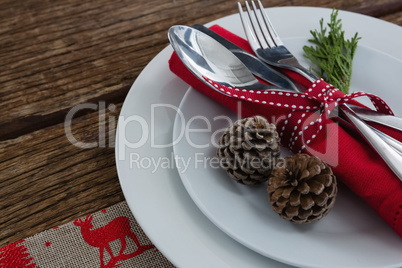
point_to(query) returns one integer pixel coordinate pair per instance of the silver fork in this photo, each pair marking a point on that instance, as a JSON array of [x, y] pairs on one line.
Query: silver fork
[[269, 48], [267, 45]]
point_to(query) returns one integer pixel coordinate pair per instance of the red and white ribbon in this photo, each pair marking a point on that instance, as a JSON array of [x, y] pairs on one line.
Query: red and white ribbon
[[309, 111]]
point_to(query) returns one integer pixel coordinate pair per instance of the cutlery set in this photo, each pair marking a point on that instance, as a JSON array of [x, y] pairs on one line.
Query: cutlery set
[[211, 57]]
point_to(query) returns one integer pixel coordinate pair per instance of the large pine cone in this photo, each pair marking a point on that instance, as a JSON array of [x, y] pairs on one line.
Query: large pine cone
[[249, 149], [302, 188]]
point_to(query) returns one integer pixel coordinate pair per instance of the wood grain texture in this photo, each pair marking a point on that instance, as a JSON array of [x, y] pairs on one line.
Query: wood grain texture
[[59, 54], [46, 181]]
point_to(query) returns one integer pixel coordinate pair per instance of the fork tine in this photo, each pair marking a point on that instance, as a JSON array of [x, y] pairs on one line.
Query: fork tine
[[253, 15], [259, 43], [253, 32], [274, 36], [252, 39], [262, 29]]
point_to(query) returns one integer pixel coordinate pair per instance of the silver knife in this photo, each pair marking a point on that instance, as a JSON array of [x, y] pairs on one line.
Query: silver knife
[[373, 116], [255, 65]]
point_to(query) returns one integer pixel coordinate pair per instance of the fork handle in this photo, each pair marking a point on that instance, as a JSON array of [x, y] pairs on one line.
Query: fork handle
[[307, 74], [293, 65]]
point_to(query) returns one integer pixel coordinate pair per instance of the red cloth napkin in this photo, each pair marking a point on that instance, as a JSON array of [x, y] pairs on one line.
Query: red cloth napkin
[[353, 161]]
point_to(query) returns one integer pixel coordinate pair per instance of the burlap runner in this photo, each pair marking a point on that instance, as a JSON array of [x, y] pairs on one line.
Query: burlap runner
[[108, 238]]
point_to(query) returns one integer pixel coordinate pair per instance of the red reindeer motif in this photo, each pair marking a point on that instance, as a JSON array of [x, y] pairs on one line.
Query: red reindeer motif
[[118, 228]]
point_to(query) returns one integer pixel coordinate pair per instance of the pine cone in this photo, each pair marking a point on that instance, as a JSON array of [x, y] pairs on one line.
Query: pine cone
[[302, 188], [249, 149]]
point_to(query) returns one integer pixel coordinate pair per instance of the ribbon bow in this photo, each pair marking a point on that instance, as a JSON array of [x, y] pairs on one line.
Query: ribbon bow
[[308, 111]]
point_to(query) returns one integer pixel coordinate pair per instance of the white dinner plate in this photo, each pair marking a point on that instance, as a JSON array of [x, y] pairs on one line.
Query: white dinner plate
[[145, 160], [352, 235]]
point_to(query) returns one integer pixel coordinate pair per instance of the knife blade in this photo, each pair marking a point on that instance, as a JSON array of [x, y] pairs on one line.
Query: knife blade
[[255, 65]]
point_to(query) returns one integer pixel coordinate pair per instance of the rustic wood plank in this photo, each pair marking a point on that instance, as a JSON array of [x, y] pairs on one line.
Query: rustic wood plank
[[395, 18], [58, 55], [381, 10], [28, 124], [46, 181]]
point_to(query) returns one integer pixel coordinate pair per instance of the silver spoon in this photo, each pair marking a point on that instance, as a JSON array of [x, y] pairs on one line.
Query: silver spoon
[[205, 57]]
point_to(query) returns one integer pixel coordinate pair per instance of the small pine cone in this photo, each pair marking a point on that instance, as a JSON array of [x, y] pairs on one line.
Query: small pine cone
[[302, 188], [249, 149]]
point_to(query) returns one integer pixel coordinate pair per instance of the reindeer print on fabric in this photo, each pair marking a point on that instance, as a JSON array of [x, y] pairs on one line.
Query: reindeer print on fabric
[[119, 228]]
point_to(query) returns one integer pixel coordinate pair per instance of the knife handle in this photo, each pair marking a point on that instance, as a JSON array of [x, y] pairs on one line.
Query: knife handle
[[226, 43]]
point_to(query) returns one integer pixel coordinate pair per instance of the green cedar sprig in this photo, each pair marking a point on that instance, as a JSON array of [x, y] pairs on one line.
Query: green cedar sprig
[[332, 54]]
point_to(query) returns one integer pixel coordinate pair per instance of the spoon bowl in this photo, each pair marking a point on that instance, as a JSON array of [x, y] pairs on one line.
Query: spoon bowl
[[207, 58]]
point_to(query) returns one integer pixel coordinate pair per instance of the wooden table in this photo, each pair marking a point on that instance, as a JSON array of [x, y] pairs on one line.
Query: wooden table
[[59, 57]]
